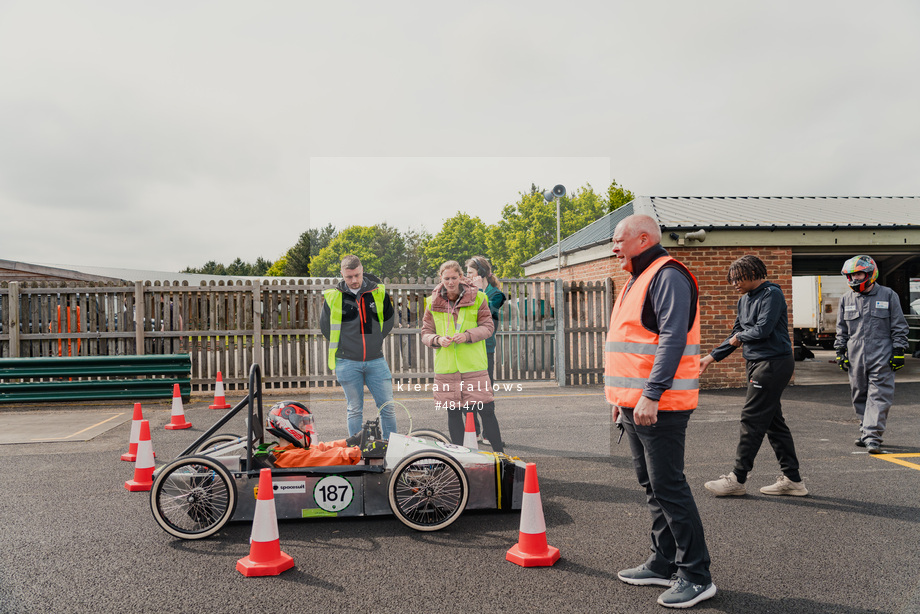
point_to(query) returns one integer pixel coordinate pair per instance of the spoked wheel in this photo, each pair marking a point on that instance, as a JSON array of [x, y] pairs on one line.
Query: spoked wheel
[[428, 490], [430, 434], [210, 444], [193, 497]]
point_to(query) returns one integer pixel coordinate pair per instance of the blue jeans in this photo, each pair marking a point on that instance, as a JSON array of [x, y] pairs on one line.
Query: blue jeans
[[353, 375]]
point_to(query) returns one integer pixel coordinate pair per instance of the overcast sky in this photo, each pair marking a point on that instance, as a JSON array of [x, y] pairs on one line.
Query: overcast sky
[[160, 135]]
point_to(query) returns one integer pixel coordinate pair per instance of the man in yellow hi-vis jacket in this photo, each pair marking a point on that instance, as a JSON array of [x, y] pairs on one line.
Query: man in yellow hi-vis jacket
[[357, 315]]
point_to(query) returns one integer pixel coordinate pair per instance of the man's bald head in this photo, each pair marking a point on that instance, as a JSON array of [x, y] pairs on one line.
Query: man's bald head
[[632, 236], [635, 225]]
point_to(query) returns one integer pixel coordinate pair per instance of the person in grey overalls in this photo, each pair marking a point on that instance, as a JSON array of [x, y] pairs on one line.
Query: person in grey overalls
[[871, 343]]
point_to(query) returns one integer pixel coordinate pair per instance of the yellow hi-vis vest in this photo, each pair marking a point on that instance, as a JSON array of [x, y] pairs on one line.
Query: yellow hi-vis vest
[[629, 353], [459, 357], [334, 299]]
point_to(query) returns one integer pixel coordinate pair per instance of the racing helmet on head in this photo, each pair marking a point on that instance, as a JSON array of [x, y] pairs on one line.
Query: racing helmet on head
[[860, 264], [292, 421]]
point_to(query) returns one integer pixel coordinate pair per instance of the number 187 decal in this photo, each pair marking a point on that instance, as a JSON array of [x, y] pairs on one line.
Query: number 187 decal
[[333, 493]]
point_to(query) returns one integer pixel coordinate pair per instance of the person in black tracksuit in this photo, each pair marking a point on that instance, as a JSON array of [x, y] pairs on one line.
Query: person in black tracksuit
[[761, 329]]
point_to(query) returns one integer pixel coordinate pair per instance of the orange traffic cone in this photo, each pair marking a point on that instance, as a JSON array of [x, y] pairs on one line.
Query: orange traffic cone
[[177, 421], [265, 556], [131, 454], [469, 433], [143, 468], [531, 549], [219, 401]]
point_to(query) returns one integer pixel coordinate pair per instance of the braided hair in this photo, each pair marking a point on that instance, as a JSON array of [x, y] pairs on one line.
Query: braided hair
[[748, 268]]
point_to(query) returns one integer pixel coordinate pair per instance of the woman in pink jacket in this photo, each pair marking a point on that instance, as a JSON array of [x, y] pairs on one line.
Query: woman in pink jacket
[[457, 323]]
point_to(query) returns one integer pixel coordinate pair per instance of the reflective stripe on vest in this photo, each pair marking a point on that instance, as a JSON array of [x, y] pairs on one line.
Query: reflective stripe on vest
[[629, 353], [335, 298], [459, 357]]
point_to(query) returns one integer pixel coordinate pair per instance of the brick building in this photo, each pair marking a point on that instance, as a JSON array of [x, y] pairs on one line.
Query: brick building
[[792, 235]]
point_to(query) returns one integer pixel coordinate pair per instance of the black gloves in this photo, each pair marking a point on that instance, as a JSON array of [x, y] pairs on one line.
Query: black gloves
[[897, 359], [842, 361]]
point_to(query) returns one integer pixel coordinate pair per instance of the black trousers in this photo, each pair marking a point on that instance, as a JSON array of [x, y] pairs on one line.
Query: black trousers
[[491, 369], [678, 542], [456, 423], [763, 415]]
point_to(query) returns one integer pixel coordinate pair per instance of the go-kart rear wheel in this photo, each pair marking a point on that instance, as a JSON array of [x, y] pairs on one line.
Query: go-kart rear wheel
[[193, 497], [430, 434], [215, 441], [428, 490]]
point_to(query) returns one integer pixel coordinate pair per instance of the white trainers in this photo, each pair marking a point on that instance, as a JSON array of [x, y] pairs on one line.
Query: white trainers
[[726, 485], [785, 486]]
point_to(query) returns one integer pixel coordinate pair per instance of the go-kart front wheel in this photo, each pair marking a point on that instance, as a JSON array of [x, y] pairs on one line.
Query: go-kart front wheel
[[428, 490], [193, 497], [430, 434], [210, 444]]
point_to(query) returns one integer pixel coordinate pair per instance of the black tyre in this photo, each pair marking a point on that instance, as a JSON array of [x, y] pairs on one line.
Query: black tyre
[[430, 434], [213, 442], [428, 490], [193, 497]]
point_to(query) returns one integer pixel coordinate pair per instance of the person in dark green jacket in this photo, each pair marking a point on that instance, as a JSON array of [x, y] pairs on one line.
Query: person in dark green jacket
[[479, 270]]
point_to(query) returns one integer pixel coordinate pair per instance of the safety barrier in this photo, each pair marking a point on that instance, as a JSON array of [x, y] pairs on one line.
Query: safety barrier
[[73, 378]]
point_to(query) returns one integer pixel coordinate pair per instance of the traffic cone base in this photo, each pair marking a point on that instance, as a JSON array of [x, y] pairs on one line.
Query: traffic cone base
[[220, 400], [273, 567], [521, 554], [177, 420]]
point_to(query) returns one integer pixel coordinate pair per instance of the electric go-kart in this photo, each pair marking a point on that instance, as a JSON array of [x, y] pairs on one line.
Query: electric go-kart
[[421, 478]]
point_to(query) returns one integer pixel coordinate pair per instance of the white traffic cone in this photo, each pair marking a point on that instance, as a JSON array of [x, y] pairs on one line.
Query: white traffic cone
[[265, 556], [177, 420], [469, 433], [143, 467], [532, 549], [220, 402]]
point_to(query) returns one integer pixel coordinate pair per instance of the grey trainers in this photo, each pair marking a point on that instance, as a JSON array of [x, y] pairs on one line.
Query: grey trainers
[[726, 485], [686, 594], [873, 447], [643, 576], [860, 442], [785, 486]]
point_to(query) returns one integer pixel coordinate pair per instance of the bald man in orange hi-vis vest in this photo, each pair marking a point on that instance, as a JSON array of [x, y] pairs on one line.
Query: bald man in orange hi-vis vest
[[651, 376]]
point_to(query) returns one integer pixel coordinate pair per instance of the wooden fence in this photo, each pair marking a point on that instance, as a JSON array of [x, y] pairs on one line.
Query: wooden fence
[[227, 327]]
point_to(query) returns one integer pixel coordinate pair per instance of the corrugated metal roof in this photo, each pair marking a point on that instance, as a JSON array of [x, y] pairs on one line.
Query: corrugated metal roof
[[786, 211], [674, 212]]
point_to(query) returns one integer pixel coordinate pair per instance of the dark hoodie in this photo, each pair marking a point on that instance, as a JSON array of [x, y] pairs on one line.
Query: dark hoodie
[[362, 337], [762, 325]]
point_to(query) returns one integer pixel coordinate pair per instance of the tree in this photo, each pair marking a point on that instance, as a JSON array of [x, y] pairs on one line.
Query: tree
[[461, 237], [529, 226], [308, 245], [416, 263], [617, 196], [277, 269], [357, 240]]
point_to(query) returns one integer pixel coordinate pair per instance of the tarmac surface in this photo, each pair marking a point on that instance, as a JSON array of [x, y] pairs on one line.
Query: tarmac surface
[[75, 540]]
